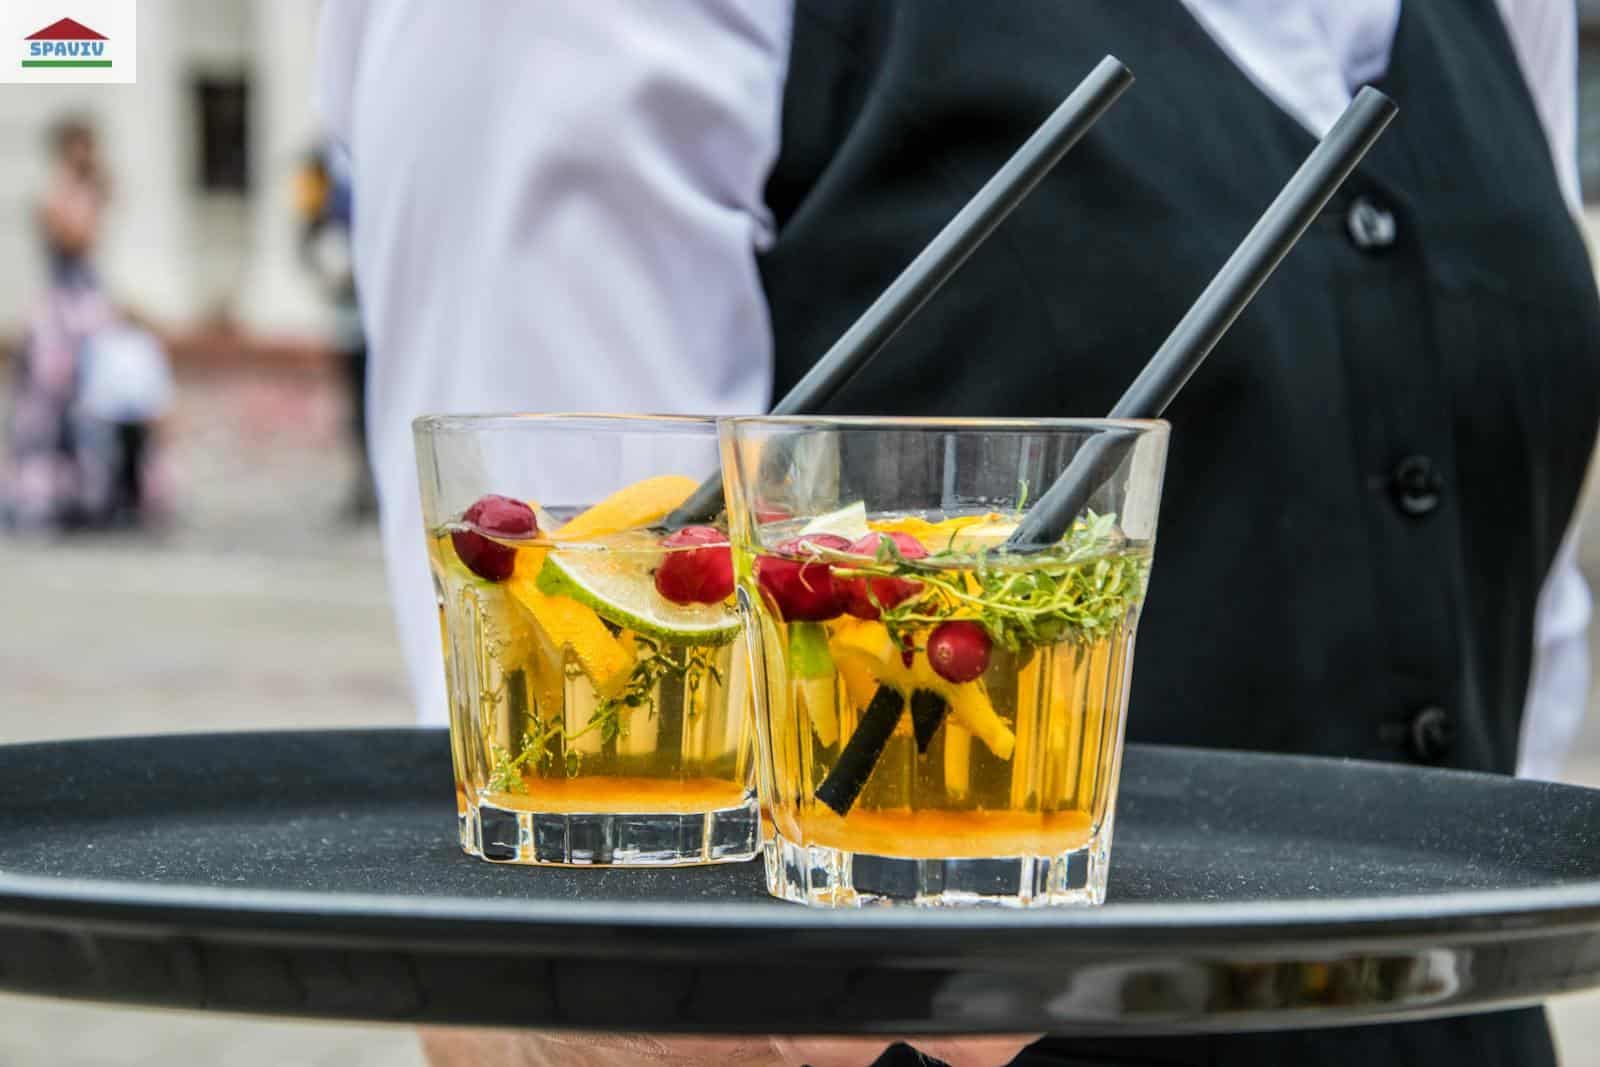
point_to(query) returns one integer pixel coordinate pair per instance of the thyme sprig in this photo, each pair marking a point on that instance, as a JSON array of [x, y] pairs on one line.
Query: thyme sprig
[[1081, 590], [654, 663]]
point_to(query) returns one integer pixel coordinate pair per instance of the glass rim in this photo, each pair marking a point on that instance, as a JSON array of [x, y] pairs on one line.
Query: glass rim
[[502, 420], [506, 420], [947, 422]]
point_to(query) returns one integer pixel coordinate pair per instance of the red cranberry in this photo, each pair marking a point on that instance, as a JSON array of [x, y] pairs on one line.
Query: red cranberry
[[958, 651], [853, 592], [498, 516], [803, 590], [696, 575]]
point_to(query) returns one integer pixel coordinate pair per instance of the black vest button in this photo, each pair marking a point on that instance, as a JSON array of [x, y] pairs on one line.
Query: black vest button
[[1372, 228], [1416, 485], [1431, 735]]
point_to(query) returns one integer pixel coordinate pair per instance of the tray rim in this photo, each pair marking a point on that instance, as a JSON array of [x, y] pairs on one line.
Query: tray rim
[[397, 959], [1542, 909]]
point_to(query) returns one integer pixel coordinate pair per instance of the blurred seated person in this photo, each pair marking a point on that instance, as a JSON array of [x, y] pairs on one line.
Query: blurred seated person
[[44, 487], [91, 386]]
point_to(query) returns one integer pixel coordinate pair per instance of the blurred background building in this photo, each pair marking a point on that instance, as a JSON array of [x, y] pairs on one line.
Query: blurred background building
[[201, 152], [260, 604]]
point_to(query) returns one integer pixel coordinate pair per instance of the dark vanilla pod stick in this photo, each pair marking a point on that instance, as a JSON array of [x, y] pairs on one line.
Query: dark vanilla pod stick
[[861, 753], [928, 710]]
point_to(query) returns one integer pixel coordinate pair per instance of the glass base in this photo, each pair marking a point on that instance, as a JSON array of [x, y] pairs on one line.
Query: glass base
[[833, 878], [605, 839]]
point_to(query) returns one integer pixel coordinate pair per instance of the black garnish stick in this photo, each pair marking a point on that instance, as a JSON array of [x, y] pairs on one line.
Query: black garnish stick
[[927, 713], [860, 755]]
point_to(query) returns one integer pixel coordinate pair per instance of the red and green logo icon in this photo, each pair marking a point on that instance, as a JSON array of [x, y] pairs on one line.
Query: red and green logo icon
[[66, 43]]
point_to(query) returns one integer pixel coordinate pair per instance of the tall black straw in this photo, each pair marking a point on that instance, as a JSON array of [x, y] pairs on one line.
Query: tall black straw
[[936, 263], [1251, 264]]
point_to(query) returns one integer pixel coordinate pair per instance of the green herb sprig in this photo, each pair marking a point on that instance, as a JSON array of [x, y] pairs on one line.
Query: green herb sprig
[[654, 662], [1081, 590]]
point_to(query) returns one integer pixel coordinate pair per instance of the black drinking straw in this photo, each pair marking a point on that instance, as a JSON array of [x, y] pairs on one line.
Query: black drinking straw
[[1251, 264], [936, 263], [1178, 358]]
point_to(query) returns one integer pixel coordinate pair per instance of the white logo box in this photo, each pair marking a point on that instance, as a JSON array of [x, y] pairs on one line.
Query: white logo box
[[69, 42]]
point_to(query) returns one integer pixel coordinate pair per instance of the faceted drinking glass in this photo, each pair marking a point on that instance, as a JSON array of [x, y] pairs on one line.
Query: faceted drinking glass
[[939, 717], [597, 677]]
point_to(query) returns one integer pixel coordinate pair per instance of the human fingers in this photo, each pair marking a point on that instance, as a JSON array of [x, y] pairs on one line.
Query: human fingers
[[513, 1048], [863, 1051]]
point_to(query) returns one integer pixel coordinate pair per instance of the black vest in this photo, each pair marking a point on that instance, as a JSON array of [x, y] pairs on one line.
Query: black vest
[[1369, 478]]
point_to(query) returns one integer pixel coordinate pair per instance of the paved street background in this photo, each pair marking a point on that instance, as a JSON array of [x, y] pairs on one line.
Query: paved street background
[[259, 609]]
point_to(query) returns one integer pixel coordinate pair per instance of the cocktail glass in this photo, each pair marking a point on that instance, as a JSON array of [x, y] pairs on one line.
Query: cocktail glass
[[939, 717], [595, 669]]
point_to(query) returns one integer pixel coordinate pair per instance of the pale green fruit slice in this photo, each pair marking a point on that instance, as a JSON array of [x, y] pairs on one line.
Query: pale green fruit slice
[[619, 586], [849, 522]]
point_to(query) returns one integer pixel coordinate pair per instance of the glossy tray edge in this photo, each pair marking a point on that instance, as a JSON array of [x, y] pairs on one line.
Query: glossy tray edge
[[1131, 968]]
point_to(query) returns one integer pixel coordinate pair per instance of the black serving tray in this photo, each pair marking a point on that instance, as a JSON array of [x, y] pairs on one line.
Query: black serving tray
[[317, 873]]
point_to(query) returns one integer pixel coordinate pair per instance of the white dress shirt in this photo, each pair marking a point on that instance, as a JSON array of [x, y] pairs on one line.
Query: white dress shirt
[[558, 208]]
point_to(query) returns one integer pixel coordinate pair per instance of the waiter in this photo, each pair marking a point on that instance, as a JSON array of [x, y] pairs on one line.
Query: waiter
[[1367, 529]]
